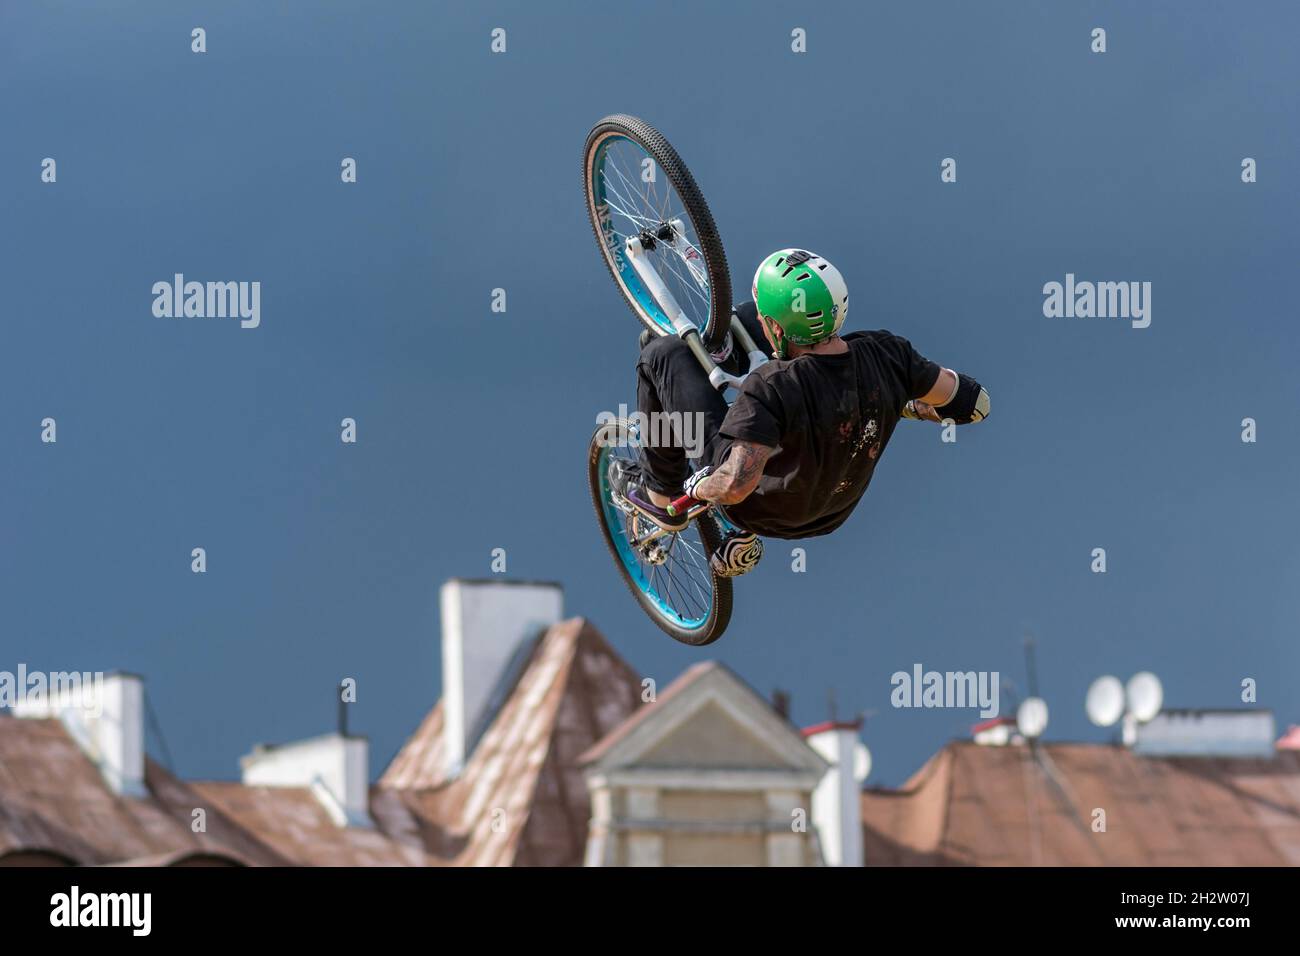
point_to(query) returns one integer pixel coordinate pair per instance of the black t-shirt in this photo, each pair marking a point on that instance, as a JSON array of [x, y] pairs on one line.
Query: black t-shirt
[[829, 418]]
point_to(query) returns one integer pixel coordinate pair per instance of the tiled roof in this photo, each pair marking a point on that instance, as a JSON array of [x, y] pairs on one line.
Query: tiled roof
[[297, 827], [975, 805], [420, 762], [521, 798], [53, 799]]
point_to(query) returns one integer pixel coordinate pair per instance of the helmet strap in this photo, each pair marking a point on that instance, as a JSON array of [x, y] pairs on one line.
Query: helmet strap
[[778, 336]]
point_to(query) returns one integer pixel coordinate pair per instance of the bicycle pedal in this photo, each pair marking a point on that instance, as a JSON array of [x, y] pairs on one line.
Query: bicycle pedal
[[618, 500]]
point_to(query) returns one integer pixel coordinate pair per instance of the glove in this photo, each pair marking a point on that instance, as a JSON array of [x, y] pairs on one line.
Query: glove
[[918, 411], [694, 480]]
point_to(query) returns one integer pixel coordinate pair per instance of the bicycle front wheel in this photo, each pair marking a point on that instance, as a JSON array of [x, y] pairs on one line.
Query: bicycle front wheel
[[638, 188]]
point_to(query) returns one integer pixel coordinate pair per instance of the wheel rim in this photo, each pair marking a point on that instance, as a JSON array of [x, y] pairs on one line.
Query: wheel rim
[[622, 206], [680, 589]]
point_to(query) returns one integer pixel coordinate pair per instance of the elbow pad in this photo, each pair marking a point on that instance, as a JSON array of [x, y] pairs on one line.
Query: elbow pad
[[970, 403]]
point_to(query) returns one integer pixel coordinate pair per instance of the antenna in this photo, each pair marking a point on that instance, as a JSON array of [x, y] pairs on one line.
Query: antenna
[[1144, 695], [1105, 701], [1031, 717], [1031, 666], [781, 702], [861, 762], [343, 711], [1109, 701]]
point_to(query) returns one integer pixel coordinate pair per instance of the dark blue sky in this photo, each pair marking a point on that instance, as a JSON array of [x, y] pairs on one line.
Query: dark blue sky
[[325, 559]]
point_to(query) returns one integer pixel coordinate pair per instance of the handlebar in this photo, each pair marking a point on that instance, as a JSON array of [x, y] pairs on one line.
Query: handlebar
[[682, 505]]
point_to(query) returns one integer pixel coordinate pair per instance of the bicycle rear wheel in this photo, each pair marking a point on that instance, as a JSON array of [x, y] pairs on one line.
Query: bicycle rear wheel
[[671, 578], [637, 187]]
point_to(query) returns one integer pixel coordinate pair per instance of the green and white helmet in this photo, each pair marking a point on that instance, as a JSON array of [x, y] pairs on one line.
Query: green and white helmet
[[802, 295]]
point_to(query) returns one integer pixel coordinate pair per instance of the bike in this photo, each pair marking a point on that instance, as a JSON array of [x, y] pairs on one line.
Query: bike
[[661, 246]]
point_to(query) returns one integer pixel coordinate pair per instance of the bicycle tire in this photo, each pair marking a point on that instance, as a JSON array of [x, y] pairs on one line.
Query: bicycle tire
[[719, 615], [679, 176]]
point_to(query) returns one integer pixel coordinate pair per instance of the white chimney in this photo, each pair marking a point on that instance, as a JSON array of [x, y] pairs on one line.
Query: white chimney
[[837, 801], [104, 714], [486, 625], [336, 768]]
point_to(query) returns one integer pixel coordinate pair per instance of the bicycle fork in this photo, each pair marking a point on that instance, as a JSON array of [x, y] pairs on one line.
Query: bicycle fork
[[671, 235]]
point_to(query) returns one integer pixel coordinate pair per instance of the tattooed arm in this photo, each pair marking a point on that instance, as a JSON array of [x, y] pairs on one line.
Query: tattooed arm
[[738, 476]]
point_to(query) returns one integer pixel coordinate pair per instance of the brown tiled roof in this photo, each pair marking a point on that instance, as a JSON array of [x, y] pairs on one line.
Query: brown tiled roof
[[521, 798], [420, 761], [53, 799], [296, 826], [976, 805]]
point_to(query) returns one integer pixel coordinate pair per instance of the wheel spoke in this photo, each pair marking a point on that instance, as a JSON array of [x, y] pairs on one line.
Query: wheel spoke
[[636, 206], [682, 583]]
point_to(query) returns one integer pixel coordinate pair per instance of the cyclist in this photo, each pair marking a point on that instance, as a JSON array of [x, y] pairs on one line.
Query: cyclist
[[795, 451]]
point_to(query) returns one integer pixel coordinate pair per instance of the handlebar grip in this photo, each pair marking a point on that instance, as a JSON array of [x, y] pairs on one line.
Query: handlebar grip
[[681, 505]]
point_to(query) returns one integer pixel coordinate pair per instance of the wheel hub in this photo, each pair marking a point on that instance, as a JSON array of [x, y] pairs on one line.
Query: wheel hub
[[649, 238]]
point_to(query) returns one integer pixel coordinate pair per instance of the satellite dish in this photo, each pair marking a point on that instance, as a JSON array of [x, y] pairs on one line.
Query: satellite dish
[[861, 762], [1105, 702], [1031, 717], [1145, 696]]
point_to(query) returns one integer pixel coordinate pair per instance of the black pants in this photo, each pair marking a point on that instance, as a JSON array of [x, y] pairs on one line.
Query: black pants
[[670, 379]]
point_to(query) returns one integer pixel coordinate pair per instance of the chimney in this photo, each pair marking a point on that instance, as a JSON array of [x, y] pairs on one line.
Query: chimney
[[336, 768], [104, 714], [487, 630], [781, 702], [837, 804]]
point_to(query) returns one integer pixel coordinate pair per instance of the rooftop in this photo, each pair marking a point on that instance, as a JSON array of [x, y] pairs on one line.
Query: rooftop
[[1030, 806]]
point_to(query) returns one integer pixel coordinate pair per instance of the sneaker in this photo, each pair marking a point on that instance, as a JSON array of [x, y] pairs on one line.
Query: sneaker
[[627, 483], [736, 554]]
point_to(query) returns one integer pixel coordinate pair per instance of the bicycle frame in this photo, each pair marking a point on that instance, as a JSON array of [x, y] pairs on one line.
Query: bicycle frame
[[636, 249]]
